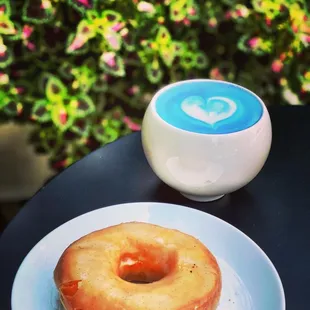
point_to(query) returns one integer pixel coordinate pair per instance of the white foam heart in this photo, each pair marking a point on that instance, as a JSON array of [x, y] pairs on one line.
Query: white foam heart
[[196, 107]]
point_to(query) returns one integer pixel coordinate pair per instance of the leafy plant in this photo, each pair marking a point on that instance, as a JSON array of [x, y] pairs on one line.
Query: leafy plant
[[83, 71]]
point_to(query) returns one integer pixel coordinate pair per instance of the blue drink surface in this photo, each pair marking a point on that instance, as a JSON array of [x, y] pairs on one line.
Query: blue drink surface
[[208, 107]]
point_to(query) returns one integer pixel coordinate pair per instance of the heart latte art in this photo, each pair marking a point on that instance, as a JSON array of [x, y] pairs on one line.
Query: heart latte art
[[208, 107], [209, 111]]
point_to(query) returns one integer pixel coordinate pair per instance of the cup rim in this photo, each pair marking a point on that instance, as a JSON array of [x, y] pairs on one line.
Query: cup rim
[[171, 85]]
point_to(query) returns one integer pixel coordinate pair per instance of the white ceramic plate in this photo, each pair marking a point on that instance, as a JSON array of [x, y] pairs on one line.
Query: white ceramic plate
[[250, 281]]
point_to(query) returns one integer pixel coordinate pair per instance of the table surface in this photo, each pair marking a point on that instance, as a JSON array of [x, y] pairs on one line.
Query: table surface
[[273, 209]]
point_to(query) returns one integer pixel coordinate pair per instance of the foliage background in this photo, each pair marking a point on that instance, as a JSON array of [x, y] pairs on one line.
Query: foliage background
[[83, 71]]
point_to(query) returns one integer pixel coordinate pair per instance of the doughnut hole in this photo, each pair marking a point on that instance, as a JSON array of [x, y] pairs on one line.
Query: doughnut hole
[[147, 264]]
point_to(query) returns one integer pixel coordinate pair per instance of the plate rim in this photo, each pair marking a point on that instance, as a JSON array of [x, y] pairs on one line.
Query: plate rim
[[235, 229]]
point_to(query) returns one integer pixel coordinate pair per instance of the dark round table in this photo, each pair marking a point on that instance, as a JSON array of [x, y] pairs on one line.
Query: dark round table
[[274, 209]]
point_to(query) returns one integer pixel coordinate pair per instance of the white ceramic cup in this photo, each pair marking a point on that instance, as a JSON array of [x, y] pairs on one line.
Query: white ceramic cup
[[204, 167]]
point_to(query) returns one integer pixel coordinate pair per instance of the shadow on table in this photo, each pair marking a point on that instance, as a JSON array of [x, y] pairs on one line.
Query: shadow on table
[[231, 208], [8, 210]]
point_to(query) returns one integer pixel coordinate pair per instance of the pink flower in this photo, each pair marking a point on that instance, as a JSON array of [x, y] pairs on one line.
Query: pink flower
[[146, 7], [192, 11], [277, 65], [19, 108], [109, 59], [117, 26], [254, 42], [4, 78], [228, 15], [60, 164], [133, 90], [84, 2], [27, 31], [239, 13], [131, 125], [186, 21], [295, 28], [216, 74], [77, 43], [242, 11], [124, 33], [305, 38], [212, 22], [268, 21], [113, 41], [63, 117], [20, 90], [31, 46], [46, 4]]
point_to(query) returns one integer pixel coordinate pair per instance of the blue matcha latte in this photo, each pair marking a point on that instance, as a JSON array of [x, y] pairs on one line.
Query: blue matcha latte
[[208, 107]]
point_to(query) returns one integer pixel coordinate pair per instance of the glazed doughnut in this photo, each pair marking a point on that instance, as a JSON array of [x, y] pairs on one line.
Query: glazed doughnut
[[135, 266]]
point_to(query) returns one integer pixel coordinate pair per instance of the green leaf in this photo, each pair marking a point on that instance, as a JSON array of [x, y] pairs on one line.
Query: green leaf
[[154, 72], [99, 133], [167, 53], [4, 99], [111, 134], [5, 7], [92, 15], [163, 36], [270, 8], [149, 46], [55, 90], [112, 64], [81, 127], [6, 26], [50, 139], [65, 70], [101, 84], [111, 17], [84, 78], [246, 45], [201, 60], [188, 60], [33, 12], [18, 33], [41, 111], [6, 57], [44, 77], [86, 29], [13, 108], [144, 56], [81, 106], [117, 113], [179, 48], [105, 132], [178, 10], [61, 118], [83, 5], [90, 63], [128, 39], [191, 39]]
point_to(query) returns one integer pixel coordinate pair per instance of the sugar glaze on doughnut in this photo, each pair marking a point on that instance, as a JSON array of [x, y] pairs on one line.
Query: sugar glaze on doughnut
[[100, 271]]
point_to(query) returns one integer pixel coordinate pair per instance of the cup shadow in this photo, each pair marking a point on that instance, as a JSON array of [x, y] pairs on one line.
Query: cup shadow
[[237, 208]]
